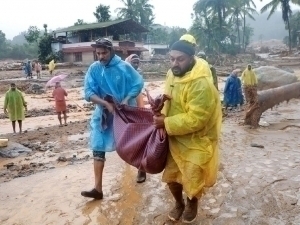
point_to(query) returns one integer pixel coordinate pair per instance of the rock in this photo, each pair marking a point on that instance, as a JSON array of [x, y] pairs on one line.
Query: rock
[[272, 77], [62, 159], [14, 150], [254, 145], [288, 69]]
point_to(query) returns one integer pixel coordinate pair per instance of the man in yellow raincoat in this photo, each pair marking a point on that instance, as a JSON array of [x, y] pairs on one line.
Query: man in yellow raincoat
[[249, 82], [14, 105], [51, 66], [192, 120], [189, 38]]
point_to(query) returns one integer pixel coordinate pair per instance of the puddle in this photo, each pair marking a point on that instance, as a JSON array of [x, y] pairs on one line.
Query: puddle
[[76, 137]]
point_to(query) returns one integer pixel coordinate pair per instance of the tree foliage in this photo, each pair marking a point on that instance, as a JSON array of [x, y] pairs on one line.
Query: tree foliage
[[295, 28], [140, 11], [102, 13], [32, 35], [16, 51], [79, 22], [220, 25]]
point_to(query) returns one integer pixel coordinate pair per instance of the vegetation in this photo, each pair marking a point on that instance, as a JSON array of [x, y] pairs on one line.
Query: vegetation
[[294, 28], [221, 25], [102, 13], [286, 13], [140, 11], [16, 51]]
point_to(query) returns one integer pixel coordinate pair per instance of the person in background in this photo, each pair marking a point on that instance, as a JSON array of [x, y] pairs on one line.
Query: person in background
[[38, 69], [15, 106], [109, 77], [51, 66], [249, 81], [202, 55], [28, 67], [59, 95], [233, 95], [192, 119], [134, 61]]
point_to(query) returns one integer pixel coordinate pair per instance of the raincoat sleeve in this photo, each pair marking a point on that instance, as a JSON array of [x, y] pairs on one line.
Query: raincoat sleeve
[[255, 78], [136, 82], [23, 100], [243, 77], [227, 85], [199, 106], [90, 87], [6, 101]]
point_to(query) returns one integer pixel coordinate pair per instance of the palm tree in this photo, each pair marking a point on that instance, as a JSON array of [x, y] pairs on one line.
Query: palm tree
[[217, 6], [248, 10], [145, 12], [129, 10], [286, 13]]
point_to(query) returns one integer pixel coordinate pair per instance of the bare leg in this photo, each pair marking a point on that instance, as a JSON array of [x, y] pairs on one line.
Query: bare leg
[[65, 117], [59, 118], [98, 171], [96, 193], [14, 126], [20, 126]]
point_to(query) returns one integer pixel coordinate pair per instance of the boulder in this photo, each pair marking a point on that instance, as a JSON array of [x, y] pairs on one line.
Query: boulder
[[13, 150], [271, 77]]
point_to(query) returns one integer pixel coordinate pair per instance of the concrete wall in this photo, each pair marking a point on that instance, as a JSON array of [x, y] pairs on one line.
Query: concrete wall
[[56, 47], [88, 57], [68, 57]]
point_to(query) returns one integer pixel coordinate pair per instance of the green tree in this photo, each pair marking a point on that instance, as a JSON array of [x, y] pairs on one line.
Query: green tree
[[239, 9], [175, 34], [140, 11], [32, 35], [3, 45], [286, 13], [295, 28], [145, 12], [79, 22], [128, 11], [102, 13], [158, 36], [45, 28]]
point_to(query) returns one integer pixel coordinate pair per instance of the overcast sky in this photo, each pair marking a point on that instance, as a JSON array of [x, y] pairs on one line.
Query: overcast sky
[[17, 15]]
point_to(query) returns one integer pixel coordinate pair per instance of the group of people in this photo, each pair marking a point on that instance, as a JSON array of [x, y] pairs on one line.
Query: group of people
[[192, 119], [235, 86], [28, 68]]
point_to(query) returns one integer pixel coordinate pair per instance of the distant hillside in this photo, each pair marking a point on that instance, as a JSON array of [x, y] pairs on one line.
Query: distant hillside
[[273, 28]]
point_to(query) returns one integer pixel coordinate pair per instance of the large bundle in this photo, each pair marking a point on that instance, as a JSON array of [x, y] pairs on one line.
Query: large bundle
[[138, 142]]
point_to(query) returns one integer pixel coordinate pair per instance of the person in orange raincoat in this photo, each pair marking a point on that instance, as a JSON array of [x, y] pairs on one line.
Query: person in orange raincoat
[[192, 119]]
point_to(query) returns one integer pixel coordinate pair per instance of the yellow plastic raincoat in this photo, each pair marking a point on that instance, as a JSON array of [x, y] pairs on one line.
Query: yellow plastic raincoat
[[193, 122], [249, 78], [51, 65]]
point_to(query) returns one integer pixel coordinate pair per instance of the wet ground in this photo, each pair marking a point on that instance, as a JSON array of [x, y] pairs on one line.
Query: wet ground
[[256, 185]]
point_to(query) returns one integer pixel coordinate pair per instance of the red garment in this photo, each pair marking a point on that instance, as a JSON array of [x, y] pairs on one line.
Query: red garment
[[60, 101], [138, 142]]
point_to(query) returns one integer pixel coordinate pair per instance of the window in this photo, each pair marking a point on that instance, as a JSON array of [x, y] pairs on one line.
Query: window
[[78, 56]]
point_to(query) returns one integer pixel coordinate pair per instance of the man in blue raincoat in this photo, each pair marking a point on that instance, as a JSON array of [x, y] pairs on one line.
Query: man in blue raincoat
[[233, 95], [109, 77]]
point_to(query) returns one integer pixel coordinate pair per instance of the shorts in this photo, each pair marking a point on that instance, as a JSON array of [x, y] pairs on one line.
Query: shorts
[[99, 156]]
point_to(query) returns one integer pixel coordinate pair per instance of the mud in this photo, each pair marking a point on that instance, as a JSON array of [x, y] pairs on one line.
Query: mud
[[255, 185]]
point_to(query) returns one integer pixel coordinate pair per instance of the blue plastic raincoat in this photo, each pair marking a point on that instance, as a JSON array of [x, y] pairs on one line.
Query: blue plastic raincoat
[[119, 80], [233, 91]]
